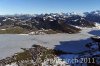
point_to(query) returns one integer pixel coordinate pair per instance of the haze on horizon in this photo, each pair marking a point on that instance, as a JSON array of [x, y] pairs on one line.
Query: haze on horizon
[[47, 6]]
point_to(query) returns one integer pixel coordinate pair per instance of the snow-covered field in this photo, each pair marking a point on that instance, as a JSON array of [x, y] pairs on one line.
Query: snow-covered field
[[11, 43]]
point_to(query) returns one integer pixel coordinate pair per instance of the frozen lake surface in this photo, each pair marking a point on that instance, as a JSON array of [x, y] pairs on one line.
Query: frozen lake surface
[[11, 43]]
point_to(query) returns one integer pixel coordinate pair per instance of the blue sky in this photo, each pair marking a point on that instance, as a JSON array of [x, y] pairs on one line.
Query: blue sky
[[47, 6]]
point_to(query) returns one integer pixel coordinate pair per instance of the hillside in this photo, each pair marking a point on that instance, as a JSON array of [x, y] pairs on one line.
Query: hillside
[[64, 22]]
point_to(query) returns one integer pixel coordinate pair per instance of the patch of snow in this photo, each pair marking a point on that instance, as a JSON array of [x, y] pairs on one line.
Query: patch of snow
[[97, 25], [0, 24], [5, 20], [3, 29], [12, 64], [76, 20], [23, 34]]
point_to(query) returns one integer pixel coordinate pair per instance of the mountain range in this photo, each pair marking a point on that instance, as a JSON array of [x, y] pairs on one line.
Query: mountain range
[[64, 22]]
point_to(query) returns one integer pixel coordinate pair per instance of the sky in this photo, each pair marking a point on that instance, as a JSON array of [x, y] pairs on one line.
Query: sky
[[47, 6]]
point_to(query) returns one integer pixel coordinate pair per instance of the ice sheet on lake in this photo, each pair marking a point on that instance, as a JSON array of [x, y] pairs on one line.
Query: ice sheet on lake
[[10, 44]]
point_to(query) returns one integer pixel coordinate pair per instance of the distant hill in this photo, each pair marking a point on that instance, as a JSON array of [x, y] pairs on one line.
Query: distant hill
[[93, 16], [64, 22]]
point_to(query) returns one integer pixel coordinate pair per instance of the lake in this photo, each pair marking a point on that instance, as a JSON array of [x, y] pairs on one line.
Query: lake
[[12, 43]]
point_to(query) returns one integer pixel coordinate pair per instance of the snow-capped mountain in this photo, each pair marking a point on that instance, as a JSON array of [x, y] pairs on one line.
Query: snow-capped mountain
[[54, 21]]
